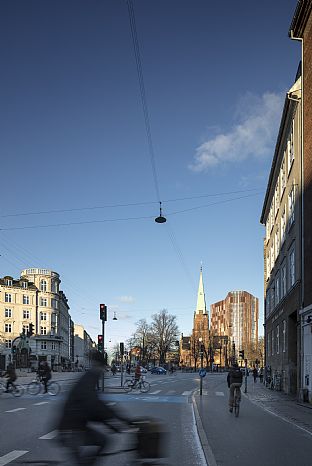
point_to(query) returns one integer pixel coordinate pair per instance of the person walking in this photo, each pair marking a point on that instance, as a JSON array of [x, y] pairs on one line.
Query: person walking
[[261, 375], [255, 374]]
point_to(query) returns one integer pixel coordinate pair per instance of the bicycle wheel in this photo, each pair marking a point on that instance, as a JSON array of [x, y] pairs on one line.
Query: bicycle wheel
[[17, 390], [2, 388], [127, 386], [53, 388], [144, 387], [34, 388]]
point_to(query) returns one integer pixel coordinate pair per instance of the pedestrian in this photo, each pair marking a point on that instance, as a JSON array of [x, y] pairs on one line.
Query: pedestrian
[[128, 368], [114, 368], [137, 373], [261, 375], [255, 374]]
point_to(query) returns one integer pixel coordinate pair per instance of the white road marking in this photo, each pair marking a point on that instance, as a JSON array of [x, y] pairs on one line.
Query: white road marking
[[14, 410], [49, 436], [41, 403], [112, 403], [170, 392], [155, 392], [188, 392], [205, 392], [11, 456], [219, 393]]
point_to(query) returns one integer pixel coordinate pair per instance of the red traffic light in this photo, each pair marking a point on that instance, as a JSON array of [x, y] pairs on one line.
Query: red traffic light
[[100, 338], [103, 312]]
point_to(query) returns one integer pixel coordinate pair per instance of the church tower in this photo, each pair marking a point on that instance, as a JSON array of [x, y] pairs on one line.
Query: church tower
[[200, 334]]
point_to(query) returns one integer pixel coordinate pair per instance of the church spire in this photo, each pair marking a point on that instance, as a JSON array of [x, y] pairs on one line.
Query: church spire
[[201, 302]]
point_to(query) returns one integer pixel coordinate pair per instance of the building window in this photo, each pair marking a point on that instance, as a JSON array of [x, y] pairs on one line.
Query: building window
[[267, 229], [272, 255], [268, 304], [25, 328], [8, 344], [283, 176], [54, 286], [283, 280], [8, 297], [53, 345], [277, 289], [43, 285], [54, 303], [26, 314], [43, 330], [284, 336], [25, 299], [277, 339], [43, 302], [43, 345], [292, 277], [290, 148], [269, 344], [283, 225], [43, 316], [9, 282], [8, 312], [24, 285], [277, 198], [277, 243], [8, 328], [272, 215], [291, 207], [272, 298], [268, 268], [273, 342]]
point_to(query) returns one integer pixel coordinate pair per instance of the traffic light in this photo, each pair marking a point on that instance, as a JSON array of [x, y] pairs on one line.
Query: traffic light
[[30, 330], [100, 343], [241, 354], [103, 312], [122, 348]]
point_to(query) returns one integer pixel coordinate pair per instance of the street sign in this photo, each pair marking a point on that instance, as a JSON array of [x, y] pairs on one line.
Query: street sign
[[202, 372]]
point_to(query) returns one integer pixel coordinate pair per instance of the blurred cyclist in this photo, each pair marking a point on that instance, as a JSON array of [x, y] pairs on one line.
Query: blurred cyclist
[[83, 407]]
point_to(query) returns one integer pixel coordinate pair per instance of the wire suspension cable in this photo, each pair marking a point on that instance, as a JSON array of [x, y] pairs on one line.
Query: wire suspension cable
[[138, 61]]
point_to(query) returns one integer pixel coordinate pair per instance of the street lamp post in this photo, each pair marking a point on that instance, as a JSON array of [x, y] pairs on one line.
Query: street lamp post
[[201, 353]]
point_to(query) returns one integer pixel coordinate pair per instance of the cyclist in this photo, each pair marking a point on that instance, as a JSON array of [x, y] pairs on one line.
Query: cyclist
[[234, 381], [83, 407], [44, 373], [137, 374], [11, 375]]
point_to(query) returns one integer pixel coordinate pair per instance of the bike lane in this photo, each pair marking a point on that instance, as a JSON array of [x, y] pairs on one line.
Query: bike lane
[[256, 437]]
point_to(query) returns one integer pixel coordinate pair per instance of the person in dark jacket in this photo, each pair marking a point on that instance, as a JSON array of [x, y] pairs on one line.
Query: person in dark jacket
[[82, 407], [255, 374], [44, 373], [11, 375], [234, 381]]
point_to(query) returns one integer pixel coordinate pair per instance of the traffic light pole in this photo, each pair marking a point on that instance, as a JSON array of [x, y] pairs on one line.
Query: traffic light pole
[[103, 332], [245, 390]]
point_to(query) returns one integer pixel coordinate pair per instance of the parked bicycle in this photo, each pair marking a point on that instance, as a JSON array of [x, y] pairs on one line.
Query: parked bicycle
[[14, 389], [37, 386], [132, 384]]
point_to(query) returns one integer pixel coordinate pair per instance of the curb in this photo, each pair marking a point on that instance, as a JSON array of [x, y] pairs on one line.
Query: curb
[[210, 458]]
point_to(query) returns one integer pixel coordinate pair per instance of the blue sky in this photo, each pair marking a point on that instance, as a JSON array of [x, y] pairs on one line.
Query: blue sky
[[73, 137]]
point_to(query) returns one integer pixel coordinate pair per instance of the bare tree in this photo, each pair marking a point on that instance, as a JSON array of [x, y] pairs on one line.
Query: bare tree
[[164, 332]]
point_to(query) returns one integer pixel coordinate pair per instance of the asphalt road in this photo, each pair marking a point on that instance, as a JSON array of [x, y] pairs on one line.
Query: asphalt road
[[27, 428]]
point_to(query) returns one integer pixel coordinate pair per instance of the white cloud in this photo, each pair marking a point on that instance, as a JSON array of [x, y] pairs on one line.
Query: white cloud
[[253, 134], [126, 299]]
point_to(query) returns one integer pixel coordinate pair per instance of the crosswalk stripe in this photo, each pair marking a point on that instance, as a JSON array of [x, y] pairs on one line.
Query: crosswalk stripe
[[188, 392], [41, 403], [155, 392], [11, 456], [49, 435], [219, 393], [14, 410]]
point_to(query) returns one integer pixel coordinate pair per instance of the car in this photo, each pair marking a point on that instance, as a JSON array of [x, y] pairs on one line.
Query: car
[[158, 370], [143, 370]]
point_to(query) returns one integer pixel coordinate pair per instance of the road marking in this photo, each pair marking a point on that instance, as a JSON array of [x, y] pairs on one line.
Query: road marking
[[219, 393], [49, 436], [155, 392], [14, 410], [187, 393], [11, 456], [41, 403], [205, 392], [170, 392], [111, 404]]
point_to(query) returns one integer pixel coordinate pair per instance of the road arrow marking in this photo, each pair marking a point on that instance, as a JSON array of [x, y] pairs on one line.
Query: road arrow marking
[[50, 435]]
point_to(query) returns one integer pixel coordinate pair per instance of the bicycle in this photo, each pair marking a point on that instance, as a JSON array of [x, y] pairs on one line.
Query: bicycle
[[131, 384], [15, 389], [36, 386], [147, 443]]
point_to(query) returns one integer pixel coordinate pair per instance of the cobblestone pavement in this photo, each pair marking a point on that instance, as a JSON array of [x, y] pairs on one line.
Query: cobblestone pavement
[[281, 405]]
